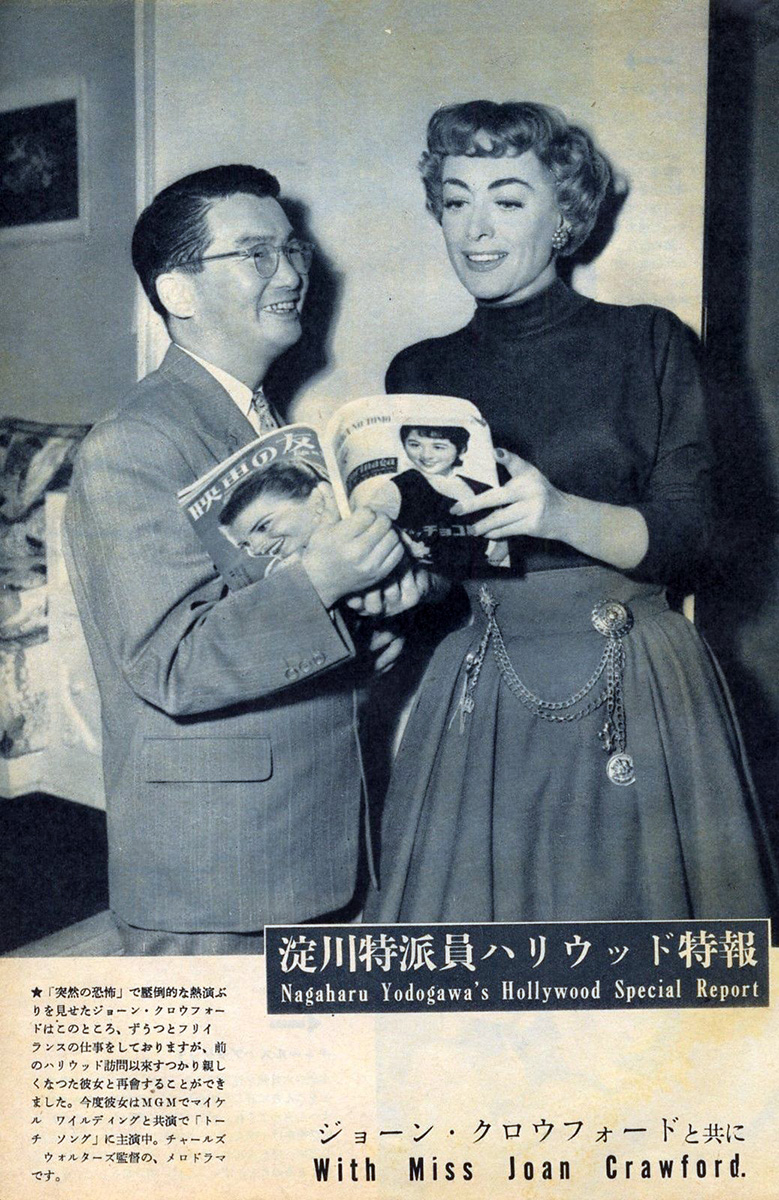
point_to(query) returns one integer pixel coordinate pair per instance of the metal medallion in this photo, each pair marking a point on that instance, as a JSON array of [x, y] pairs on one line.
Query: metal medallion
[[612, 618], [620, 769]]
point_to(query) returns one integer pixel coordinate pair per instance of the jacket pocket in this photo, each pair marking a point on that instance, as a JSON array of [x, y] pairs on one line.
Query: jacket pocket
[[206, 759]]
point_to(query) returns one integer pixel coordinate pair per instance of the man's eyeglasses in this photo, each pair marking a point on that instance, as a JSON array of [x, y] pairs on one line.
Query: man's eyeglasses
[[266, 257]]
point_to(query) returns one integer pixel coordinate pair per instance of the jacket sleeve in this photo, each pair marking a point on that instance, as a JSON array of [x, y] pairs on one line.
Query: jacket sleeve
[[149, 592], [676, 503]]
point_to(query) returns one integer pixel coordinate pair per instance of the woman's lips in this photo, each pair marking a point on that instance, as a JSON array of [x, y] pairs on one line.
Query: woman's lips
[[483, 260]]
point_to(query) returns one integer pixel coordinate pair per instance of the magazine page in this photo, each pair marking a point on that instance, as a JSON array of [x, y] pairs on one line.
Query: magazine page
[[388, 1061], [254, 510], [413, 457]]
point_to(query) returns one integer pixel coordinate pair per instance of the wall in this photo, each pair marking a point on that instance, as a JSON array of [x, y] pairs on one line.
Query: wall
[[334, 96], [66, 334]]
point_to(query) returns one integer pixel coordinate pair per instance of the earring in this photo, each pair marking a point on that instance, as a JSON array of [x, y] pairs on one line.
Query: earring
[[560, 236]]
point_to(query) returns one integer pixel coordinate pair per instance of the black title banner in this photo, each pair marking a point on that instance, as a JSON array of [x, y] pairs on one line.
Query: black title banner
[[517, 966]]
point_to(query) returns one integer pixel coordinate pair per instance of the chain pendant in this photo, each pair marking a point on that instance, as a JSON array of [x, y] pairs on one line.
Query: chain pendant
[[467, 703], [613, 620], [608, 738]]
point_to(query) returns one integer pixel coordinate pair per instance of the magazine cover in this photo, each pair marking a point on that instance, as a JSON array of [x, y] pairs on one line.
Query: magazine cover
[[414, 457], [537, 962], [238, 507]]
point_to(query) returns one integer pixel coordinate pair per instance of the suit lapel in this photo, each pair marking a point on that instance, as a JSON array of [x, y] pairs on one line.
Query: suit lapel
[[207, 409]]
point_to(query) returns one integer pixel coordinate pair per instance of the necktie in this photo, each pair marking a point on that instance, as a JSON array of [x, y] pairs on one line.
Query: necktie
[[262, 410]]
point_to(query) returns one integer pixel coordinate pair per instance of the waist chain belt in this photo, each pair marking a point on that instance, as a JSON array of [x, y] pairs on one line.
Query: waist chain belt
[[613, 620]]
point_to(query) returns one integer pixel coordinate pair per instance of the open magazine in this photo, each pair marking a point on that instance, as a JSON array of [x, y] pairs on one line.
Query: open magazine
[[409, 456]]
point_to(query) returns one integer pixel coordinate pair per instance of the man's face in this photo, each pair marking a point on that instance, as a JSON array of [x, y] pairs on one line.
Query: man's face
[[275, 524], [237, 313]]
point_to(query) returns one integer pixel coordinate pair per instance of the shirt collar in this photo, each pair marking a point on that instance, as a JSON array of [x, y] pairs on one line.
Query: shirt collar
[[235, 388]]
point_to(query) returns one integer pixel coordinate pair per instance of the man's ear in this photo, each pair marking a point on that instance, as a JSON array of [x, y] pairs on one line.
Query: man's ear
[[176, 291]]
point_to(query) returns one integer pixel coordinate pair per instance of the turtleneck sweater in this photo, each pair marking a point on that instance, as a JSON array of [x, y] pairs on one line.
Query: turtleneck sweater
[[604, 399]]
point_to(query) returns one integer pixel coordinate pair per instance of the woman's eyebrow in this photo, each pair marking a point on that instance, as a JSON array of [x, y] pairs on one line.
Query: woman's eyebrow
[[496, 183]]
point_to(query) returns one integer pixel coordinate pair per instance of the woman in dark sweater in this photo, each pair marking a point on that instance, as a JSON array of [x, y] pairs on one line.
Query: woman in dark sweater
[[572, 753]]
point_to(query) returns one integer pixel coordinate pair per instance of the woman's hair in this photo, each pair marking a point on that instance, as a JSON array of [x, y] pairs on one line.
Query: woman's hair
[[580, 172], [455, 434], [293, 481]]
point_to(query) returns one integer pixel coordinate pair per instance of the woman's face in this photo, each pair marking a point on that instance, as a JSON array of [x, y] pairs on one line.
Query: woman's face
[[433, 455], [499, 217]]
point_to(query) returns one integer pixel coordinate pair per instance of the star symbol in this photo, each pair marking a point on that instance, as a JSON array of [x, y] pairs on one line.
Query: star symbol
[[36, 991]]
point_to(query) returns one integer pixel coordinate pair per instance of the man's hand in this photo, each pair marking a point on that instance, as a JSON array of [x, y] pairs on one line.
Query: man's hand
[[410, 586], [352, 555], [386, 645]]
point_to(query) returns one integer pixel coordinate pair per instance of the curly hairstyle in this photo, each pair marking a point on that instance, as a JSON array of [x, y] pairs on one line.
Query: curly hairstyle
[[484, 129], [173, 230]]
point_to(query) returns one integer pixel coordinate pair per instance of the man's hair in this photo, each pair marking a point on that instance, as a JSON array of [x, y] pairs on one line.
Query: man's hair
[[173, 230], [455, 434], [295, 481], [580, 171]]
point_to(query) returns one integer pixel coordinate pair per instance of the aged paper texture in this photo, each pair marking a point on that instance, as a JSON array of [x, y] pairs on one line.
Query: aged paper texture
[[333, 96]]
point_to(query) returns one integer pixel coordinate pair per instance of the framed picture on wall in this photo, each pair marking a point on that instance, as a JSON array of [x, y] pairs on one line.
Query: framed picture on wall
[[43, 185]]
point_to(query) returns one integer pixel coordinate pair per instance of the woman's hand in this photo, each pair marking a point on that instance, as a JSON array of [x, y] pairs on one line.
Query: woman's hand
[[527, 505]]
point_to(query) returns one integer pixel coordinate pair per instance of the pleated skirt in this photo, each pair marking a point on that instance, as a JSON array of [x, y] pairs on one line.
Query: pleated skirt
[[499, 815]]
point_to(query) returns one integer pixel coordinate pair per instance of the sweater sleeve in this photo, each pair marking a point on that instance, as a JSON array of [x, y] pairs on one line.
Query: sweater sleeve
[[404, 373], [676, 501]]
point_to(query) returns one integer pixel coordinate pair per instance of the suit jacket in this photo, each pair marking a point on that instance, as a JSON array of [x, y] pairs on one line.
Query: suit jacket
[[230, 757]]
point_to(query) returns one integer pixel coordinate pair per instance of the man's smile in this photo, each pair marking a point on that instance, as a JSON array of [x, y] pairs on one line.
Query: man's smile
[[286, 306], [281, 306]]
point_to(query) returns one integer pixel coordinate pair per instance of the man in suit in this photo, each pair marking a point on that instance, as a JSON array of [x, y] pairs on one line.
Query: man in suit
[[231, 764]]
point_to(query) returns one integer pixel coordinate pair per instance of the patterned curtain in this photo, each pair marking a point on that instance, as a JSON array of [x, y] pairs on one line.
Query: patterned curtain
[[34, 458]]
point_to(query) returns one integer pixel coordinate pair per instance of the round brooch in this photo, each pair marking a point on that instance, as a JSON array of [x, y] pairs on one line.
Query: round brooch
[[612, 618], [620, 769]]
